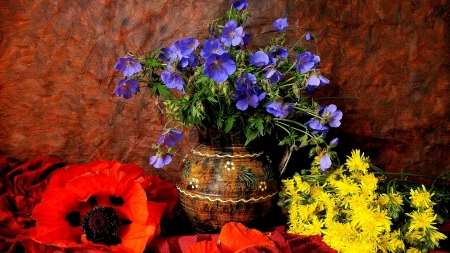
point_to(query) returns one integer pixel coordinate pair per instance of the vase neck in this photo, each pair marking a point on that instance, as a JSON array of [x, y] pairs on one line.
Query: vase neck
[[218, 138]]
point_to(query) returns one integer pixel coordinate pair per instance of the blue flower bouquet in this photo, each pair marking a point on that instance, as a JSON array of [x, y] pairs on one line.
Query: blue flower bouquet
[[223, 82]]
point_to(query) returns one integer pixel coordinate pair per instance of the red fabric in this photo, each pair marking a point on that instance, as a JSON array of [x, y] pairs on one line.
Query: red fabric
[[21, 186]]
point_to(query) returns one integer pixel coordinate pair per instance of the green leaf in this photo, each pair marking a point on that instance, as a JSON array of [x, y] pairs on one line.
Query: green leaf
[[229, 124]]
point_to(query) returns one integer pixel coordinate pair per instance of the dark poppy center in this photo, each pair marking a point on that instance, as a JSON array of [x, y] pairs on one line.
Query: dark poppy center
[[101, 226]]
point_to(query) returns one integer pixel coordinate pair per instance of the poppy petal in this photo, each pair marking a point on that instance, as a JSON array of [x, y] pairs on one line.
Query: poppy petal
[[234, 236], [112, 182], [201, 247], [159, 190], [51, 224]]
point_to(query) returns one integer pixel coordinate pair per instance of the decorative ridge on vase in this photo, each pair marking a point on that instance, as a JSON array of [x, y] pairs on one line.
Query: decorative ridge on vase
[[193, 151], [225, 200]]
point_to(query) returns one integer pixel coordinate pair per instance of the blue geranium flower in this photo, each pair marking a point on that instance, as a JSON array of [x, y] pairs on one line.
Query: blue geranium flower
[[246, 39], [278, 53], [314, 81], [167, 54], [160, 160], [170, 137], [247, 95], [306, 61], [316, 127], [308, 36], [246, 79], [239, 4], [232, 34], [273, 75], [128, 65], [211, 47], [126, 87], [279, 110], [325, 162], [184, 47], [172, 80], [219, 67], [188, 61], [259, 59], [280, 24], [331, 115]]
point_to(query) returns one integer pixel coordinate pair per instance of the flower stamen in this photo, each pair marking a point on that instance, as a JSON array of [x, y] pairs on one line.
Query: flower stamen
[[101, 225]]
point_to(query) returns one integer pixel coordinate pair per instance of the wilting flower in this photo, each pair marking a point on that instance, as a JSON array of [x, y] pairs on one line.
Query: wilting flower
[[239, 4], [280, 24], [126, 88], [246, 94], [211, 47], [278, 110], [235, 237], [170, 137], [160, 160], [331, 115], [128, 65], [232, 34], [259, 59], [306, 61], [172, 80], [219, 67], [101, 205]]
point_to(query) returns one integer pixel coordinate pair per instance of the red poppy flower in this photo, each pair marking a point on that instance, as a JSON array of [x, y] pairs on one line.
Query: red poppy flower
[[101, 205], [235, 237]]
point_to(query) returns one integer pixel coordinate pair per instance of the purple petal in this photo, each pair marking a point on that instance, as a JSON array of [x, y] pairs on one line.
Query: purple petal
[[325, 162]]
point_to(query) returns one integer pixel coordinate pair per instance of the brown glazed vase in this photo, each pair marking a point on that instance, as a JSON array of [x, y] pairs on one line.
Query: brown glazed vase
[[222, 180]]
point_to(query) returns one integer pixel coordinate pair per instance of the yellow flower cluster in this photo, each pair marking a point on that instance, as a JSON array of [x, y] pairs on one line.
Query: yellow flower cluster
[[344, 205]]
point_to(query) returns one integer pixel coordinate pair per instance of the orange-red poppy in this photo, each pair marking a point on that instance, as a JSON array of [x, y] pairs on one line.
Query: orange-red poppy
[[101, 205], [234, 237]]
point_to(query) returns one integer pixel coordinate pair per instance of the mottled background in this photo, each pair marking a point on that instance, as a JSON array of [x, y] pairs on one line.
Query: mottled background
[[57, 76]]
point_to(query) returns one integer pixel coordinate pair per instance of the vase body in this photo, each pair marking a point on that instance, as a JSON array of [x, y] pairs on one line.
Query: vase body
[[222, 180]]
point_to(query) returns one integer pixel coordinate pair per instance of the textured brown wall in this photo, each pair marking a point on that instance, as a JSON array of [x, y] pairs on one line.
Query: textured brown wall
[[57, 75]]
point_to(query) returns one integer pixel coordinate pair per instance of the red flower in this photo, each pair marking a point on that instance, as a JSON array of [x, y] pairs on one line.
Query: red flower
[[102, 205], [235, 237]]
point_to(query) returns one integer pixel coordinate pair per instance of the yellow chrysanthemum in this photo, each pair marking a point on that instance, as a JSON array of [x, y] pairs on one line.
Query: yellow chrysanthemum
[[421, 198], [395, 198], [314, 227], [421, 220], [345, 188], [395, 242], [336, 175], [315, 165], [369, 184], [382, 200], [357, 162], [436, 236], [413, 250], [415, 236], [381, 218]]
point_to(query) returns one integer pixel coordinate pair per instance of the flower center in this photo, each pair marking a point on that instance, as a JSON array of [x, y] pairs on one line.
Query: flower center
[[101, 225]]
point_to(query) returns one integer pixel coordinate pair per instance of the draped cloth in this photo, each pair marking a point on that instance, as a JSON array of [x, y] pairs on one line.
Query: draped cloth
[[21, 187]]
